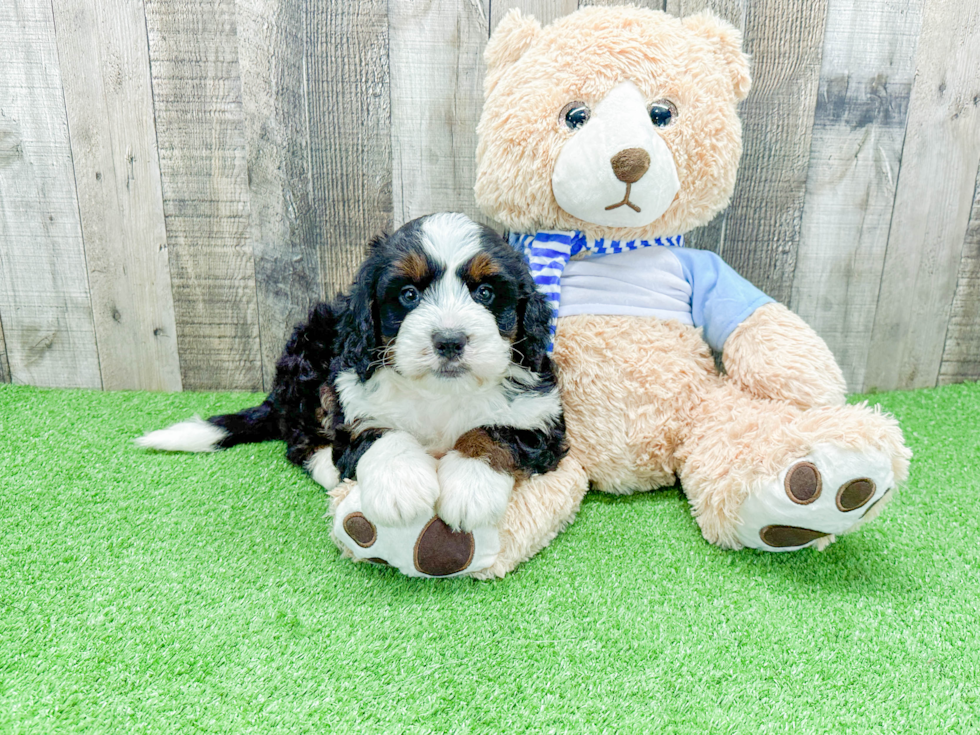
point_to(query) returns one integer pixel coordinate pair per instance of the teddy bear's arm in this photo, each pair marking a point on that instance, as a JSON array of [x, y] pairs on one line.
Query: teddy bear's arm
[[775, 354]]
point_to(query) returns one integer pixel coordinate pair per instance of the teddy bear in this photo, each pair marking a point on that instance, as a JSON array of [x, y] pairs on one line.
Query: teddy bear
[[605, 137]]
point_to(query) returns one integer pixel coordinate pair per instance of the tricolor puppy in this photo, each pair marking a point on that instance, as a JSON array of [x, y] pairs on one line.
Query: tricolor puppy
[[429, 383]]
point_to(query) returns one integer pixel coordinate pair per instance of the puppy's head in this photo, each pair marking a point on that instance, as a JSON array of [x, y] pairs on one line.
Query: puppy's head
[[445, 299]]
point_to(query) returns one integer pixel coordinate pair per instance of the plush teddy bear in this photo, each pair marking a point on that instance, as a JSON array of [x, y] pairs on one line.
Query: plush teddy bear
[[604, 138]]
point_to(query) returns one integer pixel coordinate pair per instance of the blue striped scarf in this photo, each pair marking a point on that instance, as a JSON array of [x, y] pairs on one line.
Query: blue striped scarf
[[548, 252]]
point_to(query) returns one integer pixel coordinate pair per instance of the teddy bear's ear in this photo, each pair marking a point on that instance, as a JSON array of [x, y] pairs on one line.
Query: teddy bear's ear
[[727, 41], [510, 39]]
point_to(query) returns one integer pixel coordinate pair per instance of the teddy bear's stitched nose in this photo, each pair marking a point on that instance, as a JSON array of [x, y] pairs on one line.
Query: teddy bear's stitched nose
[[630, 164]]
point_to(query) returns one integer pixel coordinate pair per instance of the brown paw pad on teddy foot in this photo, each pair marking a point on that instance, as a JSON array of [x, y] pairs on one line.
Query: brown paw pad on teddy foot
[[781, 537], [439, 551], [816, 499], [804, 484]]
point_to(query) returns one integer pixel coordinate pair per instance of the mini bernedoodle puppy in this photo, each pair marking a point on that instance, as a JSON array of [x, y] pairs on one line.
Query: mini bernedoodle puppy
[[429, 383]]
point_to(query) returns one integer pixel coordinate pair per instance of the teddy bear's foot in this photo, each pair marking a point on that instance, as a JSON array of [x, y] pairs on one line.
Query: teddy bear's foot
[[816, 498], [426, 547]]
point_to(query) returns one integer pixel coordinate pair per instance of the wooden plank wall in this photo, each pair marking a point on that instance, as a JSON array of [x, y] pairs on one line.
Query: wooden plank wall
[[181, 179]]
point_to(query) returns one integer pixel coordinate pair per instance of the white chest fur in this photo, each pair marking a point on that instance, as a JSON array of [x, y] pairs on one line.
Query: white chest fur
[[437, 412]]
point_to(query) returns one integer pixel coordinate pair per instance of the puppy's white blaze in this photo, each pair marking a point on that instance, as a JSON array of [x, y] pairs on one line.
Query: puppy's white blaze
[[322, 470], [472, 494], [438, 411], [450, 239], [398, 480], [447, 305], [193, 435]]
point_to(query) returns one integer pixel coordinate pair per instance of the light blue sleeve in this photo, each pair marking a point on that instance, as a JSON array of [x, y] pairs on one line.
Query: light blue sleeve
[[720, 298]]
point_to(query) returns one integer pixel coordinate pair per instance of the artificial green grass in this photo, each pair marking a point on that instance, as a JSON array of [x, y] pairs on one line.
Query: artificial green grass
[[144, 592]]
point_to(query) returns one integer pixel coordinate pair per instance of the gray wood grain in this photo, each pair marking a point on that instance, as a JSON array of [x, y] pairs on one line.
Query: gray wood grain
[[349, 101], [763, 222], [961, 352], [284, 228], [202, 144], [44, 297], [436, 56], [933, 201], [712, 235], [858, 131], [544, 11], [106, 73], [652, 4]]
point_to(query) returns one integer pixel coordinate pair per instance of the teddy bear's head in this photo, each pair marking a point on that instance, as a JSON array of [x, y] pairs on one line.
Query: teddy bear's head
[[620, 122]]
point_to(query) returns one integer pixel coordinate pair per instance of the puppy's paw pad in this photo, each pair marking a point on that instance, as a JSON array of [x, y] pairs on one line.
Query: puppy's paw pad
[[361, 530], [441, 551]]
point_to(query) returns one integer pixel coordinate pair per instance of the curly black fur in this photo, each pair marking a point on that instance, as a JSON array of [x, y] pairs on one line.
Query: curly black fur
[[302, 408]]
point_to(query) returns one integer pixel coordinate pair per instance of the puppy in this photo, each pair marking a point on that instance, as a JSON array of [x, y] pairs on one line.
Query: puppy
[[429, 383]]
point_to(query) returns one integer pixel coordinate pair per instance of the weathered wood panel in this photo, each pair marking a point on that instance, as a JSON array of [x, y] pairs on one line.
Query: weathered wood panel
[[652, 4], [858, 132], [349, 101], [932, 203], [961, 353], [44, 296], [288, 132], [201, 137], [762, 229], [284, 228], [436, 56], [544, 11], [106, 75]]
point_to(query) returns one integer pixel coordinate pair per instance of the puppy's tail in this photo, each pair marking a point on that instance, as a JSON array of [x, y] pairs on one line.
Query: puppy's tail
[[257, 424]]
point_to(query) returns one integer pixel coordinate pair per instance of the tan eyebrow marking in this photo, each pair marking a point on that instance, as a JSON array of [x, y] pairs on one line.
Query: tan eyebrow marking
[[413, 266], [481, 266]]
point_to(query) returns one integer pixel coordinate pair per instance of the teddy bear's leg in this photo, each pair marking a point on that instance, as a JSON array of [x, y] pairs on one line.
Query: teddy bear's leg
[[627, 383], [767, 475], [775, 354], [539, 508]]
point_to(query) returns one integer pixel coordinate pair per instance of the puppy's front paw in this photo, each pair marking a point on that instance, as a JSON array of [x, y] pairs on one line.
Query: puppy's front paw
[[398, 480], [472, 494]]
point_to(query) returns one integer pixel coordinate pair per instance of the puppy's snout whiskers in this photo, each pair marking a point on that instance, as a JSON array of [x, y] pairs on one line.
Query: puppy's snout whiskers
[[385, 359]]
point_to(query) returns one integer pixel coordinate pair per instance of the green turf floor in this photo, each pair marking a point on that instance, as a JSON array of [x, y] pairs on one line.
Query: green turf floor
[[144, 592]]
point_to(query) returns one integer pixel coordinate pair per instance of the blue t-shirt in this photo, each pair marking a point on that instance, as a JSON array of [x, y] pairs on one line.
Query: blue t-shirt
[[660, 279]]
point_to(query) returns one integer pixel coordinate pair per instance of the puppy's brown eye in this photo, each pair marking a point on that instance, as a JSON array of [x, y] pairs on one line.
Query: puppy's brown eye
[[484, 294], [663, 113], [409, 297], [575, 115]]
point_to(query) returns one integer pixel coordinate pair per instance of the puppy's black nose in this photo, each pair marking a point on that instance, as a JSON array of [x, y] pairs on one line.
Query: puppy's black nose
[[449, 344]]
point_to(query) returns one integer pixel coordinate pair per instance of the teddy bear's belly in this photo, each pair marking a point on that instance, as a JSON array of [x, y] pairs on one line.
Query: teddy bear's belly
[[629, 385]]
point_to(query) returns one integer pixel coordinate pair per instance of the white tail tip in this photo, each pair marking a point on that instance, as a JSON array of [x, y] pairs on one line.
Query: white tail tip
[[193, 435]]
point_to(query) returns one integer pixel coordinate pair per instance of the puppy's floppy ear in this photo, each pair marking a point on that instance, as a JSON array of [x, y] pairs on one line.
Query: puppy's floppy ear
[[534, 332], [358, 332]]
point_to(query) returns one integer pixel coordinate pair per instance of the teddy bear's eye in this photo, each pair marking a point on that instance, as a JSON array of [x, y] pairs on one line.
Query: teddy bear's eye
[[663, 113], [575, 115]]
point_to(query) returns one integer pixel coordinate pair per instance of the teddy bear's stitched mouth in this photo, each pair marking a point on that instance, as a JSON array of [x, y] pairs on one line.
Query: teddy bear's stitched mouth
[[626, 201]]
